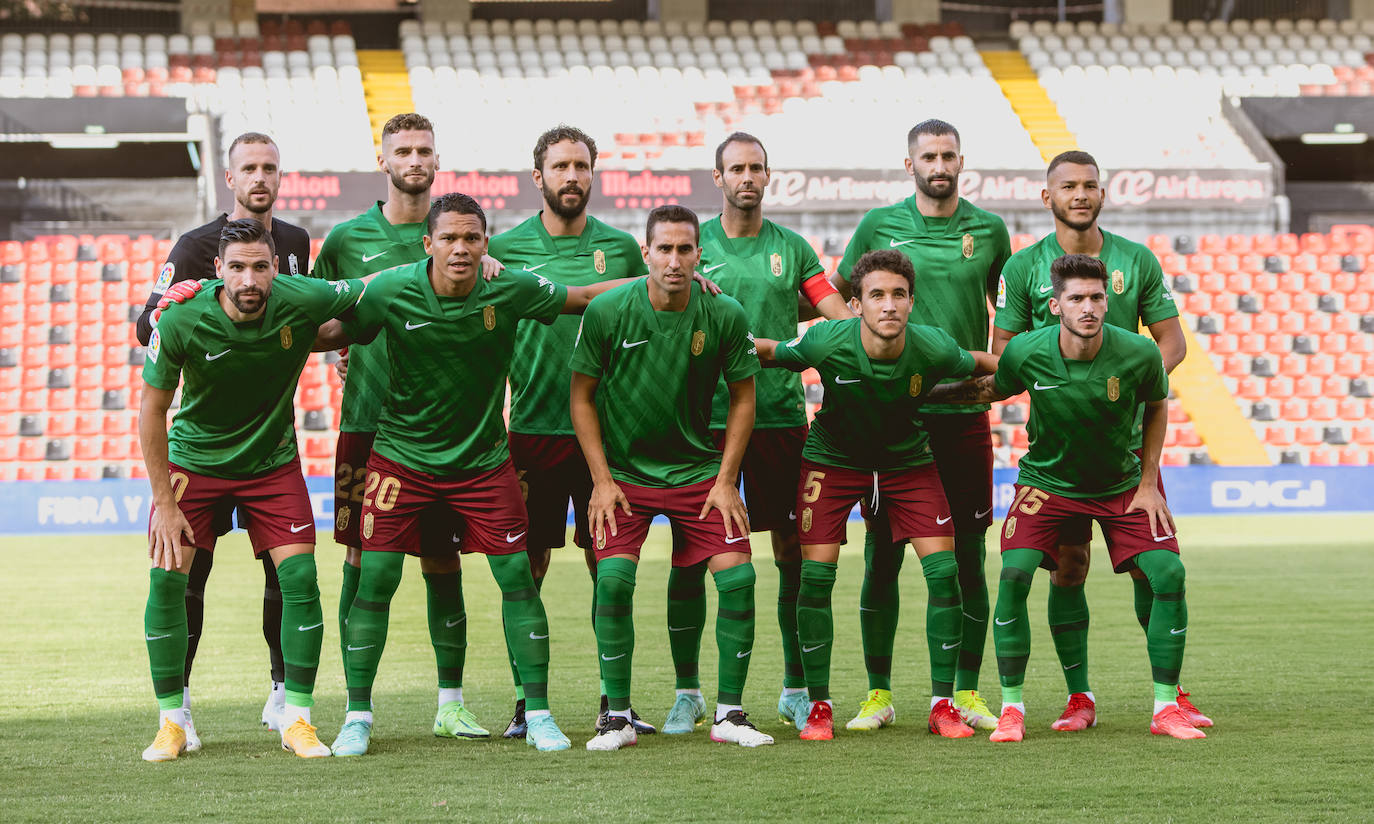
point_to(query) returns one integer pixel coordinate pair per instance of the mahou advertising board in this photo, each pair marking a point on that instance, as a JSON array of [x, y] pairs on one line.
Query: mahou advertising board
[[816, 190]]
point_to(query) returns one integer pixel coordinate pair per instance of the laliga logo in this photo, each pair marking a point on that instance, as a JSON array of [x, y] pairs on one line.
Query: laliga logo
[[1265, 494]]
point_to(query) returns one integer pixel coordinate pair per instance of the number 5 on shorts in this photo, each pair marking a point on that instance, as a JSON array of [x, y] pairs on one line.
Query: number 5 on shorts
[[811, 490]]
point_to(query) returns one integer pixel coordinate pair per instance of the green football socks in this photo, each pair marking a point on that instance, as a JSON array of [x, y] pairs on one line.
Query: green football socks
[[789, 585], [686, 622], [944, 625], [1144, 601], [1168, 628], [526, 624], [970, 551], [880, 601], [347, 592], [615, 629], [1068, 617], [734, 629], [448, 625], [816, 625], [302, 627], [367, 624], [164, 630], [1011, 631]]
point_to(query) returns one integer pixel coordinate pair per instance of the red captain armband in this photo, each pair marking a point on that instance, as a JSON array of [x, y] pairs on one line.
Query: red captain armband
[[817, 288]]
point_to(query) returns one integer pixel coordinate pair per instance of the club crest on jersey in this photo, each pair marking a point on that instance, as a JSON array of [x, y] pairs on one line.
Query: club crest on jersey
[[1113, 388], [914, 388], [1010, 529], [164, 278], [775, 261], [806, 520], [1118, 281], [342, 517], [367, 525], [968, 246], [286, 337], [599, 261], [489, 317], [292, 265], [698, 342]]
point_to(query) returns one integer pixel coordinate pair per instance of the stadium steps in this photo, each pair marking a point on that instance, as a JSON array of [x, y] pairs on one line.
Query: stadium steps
[[386, 87], [1030, 102], [1229, 438]]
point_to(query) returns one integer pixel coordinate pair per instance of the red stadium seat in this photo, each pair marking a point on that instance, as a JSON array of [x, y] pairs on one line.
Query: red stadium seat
[[1308, 386], [1239, 244], [9, 400], [11, 379], [1321, 364], [1240, 283], [1362, 434], [1239, 322], [1358, 301], [1188, 437], [1236, 366], [1350, 456], [114, 449], [31, 449], [1210, 281], [58, 472], [1322, 409], [1279, 387], [1307, 435], [1250, 388], [1322, 456], [1198, 303], [1335, 386]]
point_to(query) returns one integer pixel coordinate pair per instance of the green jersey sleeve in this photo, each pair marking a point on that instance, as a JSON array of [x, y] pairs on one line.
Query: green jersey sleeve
[[327, 261], [538, 298], [368, 317], [1013, 300], [163, 357], [1156, 299], [861, 242], [325, 299], [1001, 241], [589, 352], [1007, 380], [1155, 386], [739, 356]]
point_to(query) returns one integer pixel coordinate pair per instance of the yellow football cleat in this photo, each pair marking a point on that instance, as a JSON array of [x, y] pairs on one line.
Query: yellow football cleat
[[300, 739], [169, 743], [974, 710], [874, 712]]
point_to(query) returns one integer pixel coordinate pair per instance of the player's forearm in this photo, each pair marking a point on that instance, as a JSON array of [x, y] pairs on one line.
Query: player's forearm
[[587, 426], [580, 296], [834, 307], [1152, 445], [1000, 339], [981, 389], [984, 363], [739, 425], [841, 285], [330, 336], [152, 440], [1173, 346]]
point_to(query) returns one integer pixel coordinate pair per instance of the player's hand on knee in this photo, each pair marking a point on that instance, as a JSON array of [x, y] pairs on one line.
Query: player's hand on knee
[[491, 267], [341, 365], [725, 497], [179, 292], [165, 534], [1148, 500], [601, 510]]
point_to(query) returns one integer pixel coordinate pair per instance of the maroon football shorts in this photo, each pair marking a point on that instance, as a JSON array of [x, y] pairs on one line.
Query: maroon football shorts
[[1036, 518], [771, 466], [911, 499], [1079, 532], [552, 472], [350, 484], [486, 506], [962, 446], [695, 541], [275, 506]]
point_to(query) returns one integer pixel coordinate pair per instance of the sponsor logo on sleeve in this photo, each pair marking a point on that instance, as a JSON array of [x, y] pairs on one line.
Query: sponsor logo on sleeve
[[164, 278], [154, 344], [1001, 291]]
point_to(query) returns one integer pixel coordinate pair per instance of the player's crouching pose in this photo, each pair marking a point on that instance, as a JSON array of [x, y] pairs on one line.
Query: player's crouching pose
[[867, 443], [1085, 380], [645, 368], [240, 345]]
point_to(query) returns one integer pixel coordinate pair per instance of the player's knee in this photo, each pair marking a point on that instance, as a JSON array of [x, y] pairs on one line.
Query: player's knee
[[741, 576], [1166, 574], [380, 576], [297, 578]]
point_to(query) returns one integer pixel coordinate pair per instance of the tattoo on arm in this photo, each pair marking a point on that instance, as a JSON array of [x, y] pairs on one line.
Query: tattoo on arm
[[977, 390]]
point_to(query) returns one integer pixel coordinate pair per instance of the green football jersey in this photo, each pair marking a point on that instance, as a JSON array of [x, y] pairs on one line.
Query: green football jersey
[[237, 419], [869, 418], [353, 249], [658, 374], [1082, 413], [957, 260], [539, 373], [448, 359], [764, 274], [1136, 290]]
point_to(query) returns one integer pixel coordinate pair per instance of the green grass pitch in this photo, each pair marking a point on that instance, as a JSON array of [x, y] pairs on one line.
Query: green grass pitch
[[1279, 655]]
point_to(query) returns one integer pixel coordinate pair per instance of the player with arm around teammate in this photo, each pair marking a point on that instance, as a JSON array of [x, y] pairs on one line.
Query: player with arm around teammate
[[238, 348], [1085, 379], [867, 443]]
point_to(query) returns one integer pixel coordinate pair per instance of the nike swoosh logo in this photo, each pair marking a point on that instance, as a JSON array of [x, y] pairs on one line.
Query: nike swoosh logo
[[812, 649], [295, 528], [1043, 388], [510, 539], [370, 258], [410, 326], [984, 513], [949, 646], [456, 539], [743, 654], [1001, 623], [312, 626], [944, 520], [605, 657], [839, 381], [156, 637], [867, 609], [352, 648], [679, 629], [625, 344], [893, 244], [534, 637], [1044, 289], [709, 269], [451, 624], [1068, 667], [1163, 538], [536, 268], [209, 356], [970, 617], [736, 540], [1177, 631]]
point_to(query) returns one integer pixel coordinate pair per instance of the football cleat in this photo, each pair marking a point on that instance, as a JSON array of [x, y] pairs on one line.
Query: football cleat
[[1079, 714], [300, 738], [689, 710], [602, 716], [453, 720], [193, 737], [617, 732], [946, 722], [516, 728], [544, 735], [1193, 714], [820, 723], [353, 738], [735, 728], [169, 743], [794, 708], [1010, 727], [874, 712], [974, 710], [273, 709], [1171, 721], [641, 726]]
